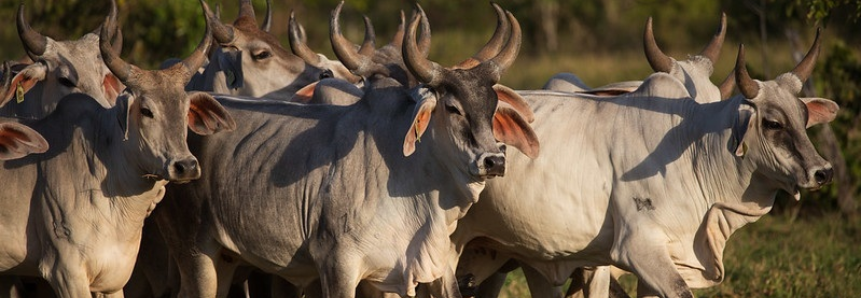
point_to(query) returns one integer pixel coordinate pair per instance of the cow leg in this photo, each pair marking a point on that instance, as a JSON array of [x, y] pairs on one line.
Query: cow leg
[[68, 283], [197, 275], [655, 270], [443, 287], [492, 286], [206, 272], [338, 278], [10, 287], [539, 286], [577, 288]]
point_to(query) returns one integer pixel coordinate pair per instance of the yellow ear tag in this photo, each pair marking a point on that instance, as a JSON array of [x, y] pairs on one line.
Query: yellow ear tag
[[19, 93]]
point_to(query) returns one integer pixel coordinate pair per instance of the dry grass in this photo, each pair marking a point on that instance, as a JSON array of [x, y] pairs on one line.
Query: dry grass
[[777, 257]]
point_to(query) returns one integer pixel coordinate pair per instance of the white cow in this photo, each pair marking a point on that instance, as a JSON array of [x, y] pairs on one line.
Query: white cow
[[652, 181]]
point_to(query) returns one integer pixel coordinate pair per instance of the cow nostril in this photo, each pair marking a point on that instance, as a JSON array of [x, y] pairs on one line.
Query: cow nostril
[[185, 166], [495, 164], [823, 176]]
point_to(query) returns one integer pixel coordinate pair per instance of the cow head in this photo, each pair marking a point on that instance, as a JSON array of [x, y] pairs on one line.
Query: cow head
[[366, 61], [251, 61], [301, 49], [771, 130], [65, 67], [154, 110], [694, 72], [461, 107]]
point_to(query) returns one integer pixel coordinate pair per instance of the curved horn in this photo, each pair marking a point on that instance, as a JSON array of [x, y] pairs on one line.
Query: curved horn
[[508, 53], [424, 70], [198, 57], [398, 38], [805, 68], [246, 10], [117, 40], [425, 35], [748, 87], [34, 42], [267, 22], [121, 69], [369, 43], [299, 47], [223, 34], [343, 48], [727, 86], [657, 59], [712, 50], [493, 46]]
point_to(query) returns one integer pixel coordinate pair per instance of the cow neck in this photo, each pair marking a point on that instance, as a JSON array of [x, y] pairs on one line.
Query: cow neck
[[122, 180], [454, 191], [734, 192], [723, 177]]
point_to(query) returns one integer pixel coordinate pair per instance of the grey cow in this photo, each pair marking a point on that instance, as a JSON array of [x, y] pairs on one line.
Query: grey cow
[[73, 214], [368, 191], [652, 182]]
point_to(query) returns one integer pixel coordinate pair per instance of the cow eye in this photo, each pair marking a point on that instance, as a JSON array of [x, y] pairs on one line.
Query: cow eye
[[453, 109], [147, 113], [262, 55], [67, 82], [326, 74], [772, 125]]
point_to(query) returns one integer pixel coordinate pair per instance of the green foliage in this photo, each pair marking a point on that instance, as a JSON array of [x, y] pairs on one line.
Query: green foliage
[[823, 9], [839, 74]]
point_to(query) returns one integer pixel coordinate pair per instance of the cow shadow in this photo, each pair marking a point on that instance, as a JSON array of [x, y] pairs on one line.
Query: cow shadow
[[694, 121]]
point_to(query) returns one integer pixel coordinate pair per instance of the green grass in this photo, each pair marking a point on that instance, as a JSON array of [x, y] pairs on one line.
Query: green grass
[[778, 257]]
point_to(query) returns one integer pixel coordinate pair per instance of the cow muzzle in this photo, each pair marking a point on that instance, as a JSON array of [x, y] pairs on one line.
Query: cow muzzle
[[183, 170], [490, 165], [822, 176]]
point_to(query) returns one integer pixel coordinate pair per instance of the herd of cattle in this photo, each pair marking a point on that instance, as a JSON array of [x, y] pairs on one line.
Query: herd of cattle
[[382, 172]]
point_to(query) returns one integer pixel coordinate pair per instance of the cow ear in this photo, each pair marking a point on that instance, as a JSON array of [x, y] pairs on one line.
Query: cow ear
[[516, 101], [17, 141], [113, 87], [743, 123], [510, 128], [25, 80], [305, 94], [820, 110], [421, 119], [206, 116]]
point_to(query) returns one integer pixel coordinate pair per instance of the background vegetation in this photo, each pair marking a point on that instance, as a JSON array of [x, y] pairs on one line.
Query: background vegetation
[[807, 249]]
